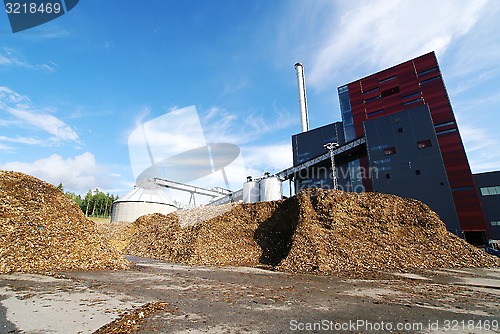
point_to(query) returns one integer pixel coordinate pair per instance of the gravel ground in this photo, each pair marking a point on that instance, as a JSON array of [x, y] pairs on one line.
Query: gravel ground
[[160, 297]]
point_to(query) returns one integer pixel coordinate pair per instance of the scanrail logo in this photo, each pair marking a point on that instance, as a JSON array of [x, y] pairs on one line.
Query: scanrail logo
[[26, 14]]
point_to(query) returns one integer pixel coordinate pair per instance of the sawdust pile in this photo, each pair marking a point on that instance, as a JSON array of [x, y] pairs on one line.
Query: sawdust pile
[[42, 231], [137, 320], [317, 231]]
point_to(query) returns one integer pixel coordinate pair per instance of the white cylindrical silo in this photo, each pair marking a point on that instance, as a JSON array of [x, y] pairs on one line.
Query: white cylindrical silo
[[147, 198], [270, 189], [251, 191]]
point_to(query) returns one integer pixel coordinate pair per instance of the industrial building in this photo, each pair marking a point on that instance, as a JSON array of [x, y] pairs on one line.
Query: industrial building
[[407, 143], [398, 135]]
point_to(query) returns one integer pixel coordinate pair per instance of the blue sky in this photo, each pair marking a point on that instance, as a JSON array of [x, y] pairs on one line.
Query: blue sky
[[73, 89]]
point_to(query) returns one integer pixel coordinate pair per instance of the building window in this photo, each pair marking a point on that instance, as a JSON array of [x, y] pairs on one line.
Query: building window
[[387, 79], [400, 130], [413, 101], [382, 161], [429, 80], [442, 125], [371, 90], [389, 92], [375, 148], [418, 172], [375, 112], [490, 191], [411, 95], [495, 223], [390, 150], [387, 176], [424, 143], [372, 98], [446, 131], [427, 71]]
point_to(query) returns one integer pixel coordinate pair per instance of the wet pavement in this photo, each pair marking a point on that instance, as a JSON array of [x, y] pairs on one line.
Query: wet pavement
[[250, 300]]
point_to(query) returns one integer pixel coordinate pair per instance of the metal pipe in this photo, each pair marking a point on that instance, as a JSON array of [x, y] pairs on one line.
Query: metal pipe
[[332, 147], [301, 80]]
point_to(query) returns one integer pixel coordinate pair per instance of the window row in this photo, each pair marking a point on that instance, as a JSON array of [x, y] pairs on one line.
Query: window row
[[495, 223], [388, 176], [489, 191], [420, 145]]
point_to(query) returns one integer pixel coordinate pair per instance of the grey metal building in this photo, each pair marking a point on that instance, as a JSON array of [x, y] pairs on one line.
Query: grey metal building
[[403, 150]]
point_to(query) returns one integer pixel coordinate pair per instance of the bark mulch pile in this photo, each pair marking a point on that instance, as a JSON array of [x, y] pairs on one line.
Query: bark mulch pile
[[317, 231], [43, 231]]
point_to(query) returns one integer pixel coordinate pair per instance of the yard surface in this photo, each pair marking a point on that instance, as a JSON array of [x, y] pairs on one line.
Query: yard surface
[[248, 300]]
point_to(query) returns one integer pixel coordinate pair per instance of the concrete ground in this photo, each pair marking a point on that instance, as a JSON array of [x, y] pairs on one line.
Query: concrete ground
[[248, 300]]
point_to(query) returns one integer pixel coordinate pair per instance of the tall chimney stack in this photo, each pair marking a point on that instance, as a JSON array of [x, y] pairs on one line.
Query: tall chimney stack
[[304, 115]]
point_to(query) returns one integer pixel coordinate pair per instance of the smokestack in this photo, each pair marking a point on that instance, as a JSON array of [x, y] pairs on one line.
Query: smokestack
[[304, 115]]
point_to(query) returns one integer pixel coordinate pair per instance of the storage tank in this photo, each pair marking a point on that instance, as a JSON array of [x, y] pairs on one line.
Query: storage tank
[[251, 191], [270, 188], [146, 198]]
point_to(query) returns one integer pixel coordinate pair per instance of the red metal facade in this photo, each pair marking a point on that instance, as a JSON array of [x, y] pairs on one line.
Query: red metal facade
[[405, 86]]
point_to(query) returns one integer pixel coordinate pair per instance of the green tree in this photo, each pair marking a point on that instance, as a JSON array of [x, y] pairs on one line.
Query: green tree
[[94, 204]]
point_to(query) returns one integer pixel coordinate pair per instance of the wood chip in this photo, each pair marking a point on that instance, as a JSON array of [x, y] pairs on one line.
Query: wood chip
[[43, 231], [317, 231]]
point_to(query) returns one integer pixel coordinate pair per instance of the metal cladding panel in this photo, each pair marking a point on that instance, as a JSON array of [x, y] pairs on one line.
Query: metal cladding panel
[[455, 161], [469, 211], [374, 106], [425, 62], [369, 83], [309, 145]]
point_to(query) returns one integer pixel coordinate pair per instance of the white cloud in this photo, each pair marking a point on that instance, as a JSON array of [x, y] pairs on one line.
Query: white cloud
[[59, 130], [267, 158], [27, 116], [378, 34], [79, 173]]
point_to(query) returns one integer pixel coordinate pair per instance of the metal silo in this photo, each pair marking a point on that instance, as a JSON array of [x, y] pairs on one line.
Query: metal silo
[[251, 191], [146, 198], [270, 188]]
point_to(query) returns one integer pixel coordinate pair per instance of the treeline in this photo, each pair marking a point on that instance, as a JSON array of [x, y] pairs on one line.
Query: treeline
[[94, 204]]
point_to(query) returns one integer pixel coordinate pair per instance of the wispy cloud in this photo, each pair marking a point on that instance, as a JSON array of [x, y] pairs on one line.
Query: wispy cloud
[[221, 125], [9, 58], [375, 34], [24, 115], [478, 144], [21, 140], [233, 88]]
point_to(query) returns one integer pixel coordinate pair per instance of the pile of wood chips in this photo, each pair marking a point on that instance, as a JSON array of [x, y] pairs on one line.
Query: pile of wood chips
[[317, 231], [43, 231], [136, 321]]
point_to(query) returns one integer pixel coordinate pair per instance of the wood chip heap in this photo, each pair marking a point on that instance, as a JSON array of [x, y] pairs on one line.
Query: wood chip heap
[[317, 231], [43, 231]]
